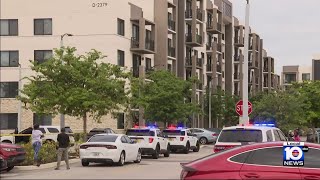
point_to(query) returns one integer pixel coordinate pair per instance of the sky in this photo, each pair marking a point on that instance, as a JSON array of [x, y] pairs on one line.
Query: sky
[[290, 29]]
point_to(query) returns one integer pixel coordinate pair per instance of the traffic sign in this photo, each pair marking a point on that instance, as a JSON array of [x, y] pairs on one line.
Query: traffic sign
[[239, 108]]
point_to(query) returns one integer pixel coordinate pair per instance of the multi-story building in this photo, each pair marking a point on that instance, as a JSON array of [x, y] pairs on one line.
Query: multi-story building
[[316, 67], [190, 38], [296, 73]]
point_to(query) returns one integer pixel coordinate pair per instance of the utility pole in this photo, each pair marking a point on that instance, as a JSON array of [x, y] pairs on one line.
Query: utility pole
[[210, 120], [245, 117]]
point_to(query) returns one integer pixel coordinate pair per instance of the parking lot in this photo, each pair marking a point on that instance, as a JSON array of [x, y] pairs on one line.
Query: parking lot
[[162, 168]]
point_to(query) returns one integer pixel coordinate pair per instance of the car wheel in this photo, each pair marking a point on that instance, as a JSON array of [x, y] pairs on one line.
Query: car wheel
[[167, 154], [84, 163], [121, 159], [9, 168], [187, 148], [203, 140], [197, 147], [138, 160], [156, 153]]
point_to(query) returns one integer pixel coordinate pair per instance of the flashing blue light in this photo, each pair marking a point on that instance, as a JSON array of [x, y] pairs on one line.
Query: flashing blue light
[[266, 125], [152, 127]]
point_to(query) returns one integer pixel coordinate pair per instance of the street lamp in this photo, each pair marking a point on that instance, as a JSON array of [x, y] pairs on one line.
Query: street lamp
[[62, 118], [245, 117]]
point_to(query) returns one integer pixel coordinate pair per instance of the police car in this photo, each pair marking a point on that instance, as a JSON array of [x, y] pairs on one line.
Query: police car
[[251, 133], [181, 138], [151, 141]]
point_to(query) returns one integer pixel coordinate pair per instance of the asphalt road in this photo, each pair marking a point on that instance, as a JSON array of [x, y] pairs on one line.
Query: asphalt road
[[162, 168]]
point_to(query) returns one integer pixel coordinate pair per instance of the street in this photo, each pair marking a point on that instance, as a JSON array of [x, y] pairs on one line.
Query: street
[[162, 168]]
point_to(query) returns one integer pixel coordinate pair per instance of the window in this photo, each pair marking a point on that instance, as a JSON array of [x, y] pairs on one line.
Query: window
[[311, 158], [282, 136], [9, 58], [53, 130], [148, 63], [43, 26], [196, 131], [44, 120], [240, 158], [267, 156], [276, 135], [148, 34], [170, 132], [140, 132], [121, 27], [8, 120], [123, 139], [128, 139], [135, 32], [120, 121], [120, 58], [240, 135], [9, 27], [269, 136], [306, 76], [8, 89], [41, 56], [103, 138], [42, 130]]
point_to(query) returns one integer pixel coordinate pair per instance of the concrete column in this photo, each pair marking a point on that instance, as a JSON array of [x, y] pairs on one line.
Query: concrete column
[[142, 33]]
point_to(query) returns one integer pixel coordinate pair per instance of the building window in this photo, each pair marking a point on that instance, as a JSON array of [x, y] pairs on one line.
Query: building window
[[41, 56], [305, 76], [43, 26], [120, 58], [121, 27], [289, 78], [8, 89], [9, 58], [44, 120], [9, 27], [148, 63], [8, 120], [120, 121]]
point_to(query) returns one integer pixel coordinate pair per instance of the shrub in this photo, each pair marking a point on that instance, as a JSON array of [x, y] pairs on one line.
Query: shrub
[[47, 154], [79, 136]]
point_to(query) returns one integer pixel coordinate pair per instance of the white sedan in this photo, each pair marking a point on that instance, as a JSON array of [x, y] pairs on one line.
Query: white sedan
[[114, 148]]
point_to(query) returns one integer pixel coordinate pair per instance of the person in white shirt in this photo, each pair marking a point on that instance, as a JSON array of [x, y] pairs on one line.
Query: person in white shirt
[[36, 143]]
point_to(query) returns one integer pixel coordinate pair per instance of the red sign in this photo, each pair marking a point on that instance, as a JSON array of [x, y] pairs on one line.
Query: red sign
[[239, 108]]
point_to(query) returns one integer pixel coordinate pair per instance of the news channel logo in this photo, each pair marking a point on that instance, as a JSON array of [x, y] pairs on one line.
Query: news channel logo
[[293, 153]]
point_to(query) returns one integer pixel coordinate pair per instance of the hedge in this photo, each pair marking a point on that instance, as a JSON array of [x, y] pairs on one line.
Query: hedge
[[47, 154]]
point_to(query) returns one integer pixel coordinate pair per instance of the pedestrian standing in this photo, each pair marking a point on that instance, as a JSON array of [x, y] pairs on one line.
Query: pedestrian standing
[[63, 140], [36, 143], [296, 135]]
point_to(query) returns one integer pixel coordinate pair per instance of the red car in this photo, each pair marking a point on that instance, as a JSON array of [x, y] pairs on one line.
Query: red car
[[13, 154], [255, 161]]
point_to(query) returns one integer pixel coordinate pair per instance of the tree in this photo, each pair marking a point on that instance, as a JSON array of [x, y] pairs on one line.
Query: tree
[[164, 97], [75, 85]]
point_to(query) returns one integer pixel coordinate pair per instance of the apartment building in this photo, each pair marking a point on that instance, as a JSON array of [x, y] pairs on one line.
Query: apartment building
[[316, 67], [296, 73], [190, 38]]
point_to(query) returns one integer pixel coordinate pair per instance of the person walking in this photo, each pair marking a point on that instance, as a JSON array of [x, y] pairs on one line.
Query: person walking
[[63, 148], [36, 143]]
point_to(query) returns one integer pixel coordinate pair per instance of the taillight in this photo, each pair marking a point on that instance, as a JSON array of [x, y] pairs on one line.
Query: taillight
[[111, 147], [221, 148], [181, 138], [214, 134], [150, 140]]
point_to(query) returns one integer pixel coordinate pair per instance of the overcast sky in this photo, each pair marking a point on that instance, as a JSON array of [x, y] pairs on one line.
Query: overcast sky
[[290, 29]]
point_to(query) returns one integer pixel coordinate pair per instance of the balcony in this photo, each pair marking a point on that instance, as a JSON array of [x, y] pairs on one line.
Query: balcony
[[199, 14], [171, 24], [265, 70], [172, 52], [188, 14], [209, 24], [209, 67], [199, 62], [198, 39], [236, 76], [236, 58], [194, 40], [188, 62], [219, 68], [213, 26], [219, 48], [209, 47], [134, 42], [147, 48], [149, 44]]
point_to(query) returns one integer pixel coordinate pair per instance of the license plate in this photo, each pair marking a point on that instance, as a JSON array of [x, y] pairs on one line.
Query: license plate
[[95, 154], [137, 140], [171, 139]]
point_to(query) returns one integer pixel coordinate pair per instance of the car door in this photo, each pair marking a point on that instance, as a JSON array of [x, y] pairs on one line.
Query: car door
[[311, 168], [267, 163], [126, 148], [132, 149], [163, 145], [191, 138]]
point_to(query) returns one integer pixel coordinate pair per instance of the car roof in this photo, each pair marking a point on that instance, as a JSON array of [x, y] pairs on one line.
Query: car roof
[[144, 128], [274, 144], [249, 127], [102, 129], [107, 134], [58, 127]]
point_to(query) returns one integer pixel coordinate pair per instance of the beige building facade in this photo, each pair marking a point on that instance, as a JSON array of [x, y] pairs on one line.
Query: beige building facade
[[291, 74]]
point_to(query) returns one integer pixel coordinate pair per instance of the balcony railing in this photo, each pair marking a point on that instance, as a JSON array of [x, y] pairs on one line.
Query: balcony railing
[[172, 51], [265, 70], [198, 39], [208, 46], [236, 76], [135, 71], [237, 58], [199, 14], [134, 42], [199, 62], [209, 24], [188, 61], [188, 13], [171, 24], [149, 44], [188, 38], [237, 39], [209, 67]]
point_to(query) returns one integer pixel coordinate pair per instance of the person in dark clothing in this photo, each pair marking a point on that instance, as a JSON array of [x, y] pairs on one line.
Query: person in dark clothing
[[63, 140]]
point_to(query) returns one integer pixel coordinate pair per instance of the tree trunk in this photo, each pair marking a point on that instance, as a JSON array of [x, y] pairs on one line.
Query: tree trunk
[[85, 127]]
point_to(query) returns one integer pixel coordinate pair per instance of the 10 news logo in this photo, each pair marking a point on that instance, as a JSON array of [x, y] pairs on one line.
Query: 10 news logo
[[293, 153]]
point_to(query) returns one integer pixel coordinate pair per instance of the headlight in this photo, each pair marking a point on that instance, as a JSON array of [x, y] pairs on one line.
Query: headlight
[[9, 149]]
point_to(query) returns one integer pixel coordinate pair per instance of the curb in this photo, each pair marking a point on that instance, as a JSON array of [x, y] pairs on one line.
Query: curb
[[45, 166]]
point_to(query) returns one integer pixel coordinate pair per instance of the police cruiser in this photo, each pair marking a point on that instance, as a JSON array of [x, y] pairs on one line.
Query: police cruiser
[[151, 141]]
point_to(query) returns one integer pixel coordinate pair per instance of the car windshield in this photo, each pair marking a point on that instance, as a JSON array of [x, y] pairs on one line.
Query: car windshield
[[96, 131], [240, 135], [140, 132], [104, 138], [173, 132]]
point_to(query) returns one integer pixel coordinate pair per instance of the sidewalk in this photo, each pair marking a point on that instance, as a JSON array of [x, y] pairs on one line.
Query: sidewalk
[[45, 166]]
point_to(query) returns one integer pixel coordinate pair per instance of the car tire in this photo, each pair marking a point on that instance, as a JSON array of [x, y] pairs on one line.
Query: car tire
[[167, 154], [197, 147], [187, 148], [122, 159], [84, 163], [156, 153], [139, 156], [203, 140], [9, 168]]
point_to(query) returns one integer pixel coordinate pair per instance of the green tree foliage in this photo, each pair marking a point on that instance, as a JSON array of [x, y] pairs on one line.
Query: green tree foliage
[[164, 97], [222, 107], [75, 85]]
